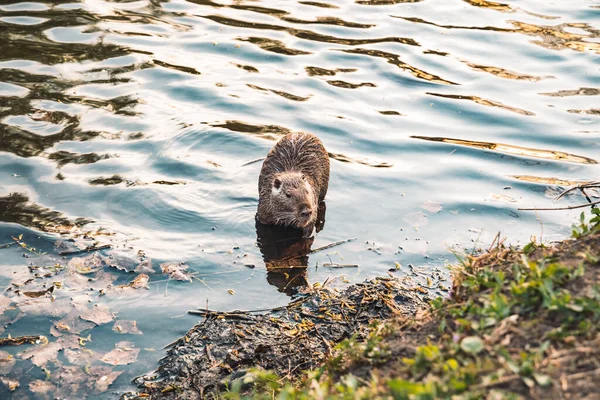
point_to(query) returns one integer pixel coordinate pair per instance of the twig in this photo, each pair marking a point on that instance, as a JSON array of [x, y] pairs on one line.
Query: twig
[[253, 161], [586, 185], [580, 375], [335, 265], [88, 249], [560, 208], [331, 245], [500, 381], [17, 341]]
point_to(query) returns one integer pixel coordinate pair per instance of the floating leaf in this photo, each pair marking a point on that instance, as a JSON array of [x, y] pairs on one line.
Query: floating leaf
[[139, 282], [81, 356], [45, 306], [40, 387], [431, 206], [126, 326], [105, 376], [416, 219], [48, 351], [98, 314], [176, 271], [145, 267], [86, 265], [7, 362], [230, 291], [471, 344], [39, 293], [123, 354], [4, 303], [11, 384]]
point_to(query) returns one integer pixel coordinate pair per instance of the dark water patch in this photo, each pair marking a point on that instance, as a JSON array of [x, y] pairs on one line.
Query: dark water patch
[[389, 112], [591, 111], [349, 85], [492, 5], [505, 73], [576, 92], [514, 150], [309, 35], [483, 28], [436, 52], [329, 21], [385, 2], [317, 71], [248, 68], [394, 59], [108, 181], [276, 46], [181, 68], [65, 157], [318, 4], [288, 96], [17, 208], [483, 102]]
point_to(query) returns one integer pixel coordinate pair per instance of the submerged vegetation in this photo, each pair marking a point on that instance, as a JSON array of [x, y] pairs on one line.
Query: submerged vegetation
[[518, 324]]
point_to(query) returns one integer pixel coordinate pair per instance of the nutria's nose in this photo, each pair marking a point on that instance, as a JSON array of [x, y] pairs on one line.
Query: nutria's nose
[[305, 212]]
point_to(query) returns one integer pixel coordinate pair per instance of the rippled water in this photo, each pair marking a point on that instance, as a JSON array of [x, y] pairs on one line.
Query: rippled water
[[135, 122]]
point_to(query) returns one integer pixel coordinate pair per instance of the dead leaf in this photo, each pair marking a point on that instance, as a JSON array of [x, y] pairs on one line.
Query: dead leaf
[[502, 197], [176, 271], [81, 356], [7, 362], [416, 219], [45, 306], [48, 351], [4, 303], [86, 265], [145, 267], [11, 384], [72, 324], [127, 326], [139, 282], [70, 381], [123, 354], [105, 376], [98, 314], [431, 206], [39, 293], [41, 388]]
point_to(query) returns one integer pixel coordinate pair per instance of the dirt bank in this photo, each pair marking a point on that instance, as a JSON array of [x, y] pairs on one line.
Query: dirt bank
[[520, 323]]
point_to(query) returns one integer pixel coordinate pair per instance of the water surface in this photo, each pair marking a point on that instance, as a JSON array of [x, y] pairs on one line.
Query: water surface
[[132, 123]]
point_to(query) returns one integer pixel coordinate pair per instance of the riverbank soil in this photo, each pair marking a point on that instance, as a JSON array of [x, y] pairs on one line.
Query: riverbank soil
[[518, 324]]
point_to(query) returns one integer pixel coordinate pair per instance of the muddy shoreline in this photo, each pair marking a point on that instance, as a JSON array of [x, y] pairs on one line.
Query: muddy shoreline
[[522, 323]]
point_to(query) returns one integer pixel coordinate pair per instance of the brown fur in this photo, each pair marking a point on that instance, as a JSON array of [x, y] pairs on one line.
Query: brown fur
[[293, 180]]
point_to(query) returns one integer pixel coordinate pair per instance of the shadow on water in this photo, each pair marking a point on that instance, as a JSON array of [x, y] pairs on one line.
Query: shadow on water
[[16, 208], [285, 253]]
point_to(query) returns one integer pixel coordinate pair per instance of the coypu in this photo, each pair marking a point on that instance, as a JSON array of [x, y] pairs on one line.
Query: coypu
[[293, 181]]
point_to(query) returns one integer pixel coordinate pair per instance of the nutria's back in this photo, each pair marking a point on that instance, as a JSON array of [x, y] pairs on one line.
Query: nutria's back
[[293, 180]]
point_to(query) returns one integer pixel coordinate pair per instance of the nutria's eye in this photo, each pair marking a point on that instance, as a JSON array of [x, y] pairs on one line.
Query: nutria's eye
[[303, 177], [277, 183]]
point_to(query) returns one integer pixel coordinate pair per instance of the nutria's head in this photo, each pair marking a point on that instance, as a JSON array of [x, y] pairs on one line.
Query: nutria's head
[[293, 200]]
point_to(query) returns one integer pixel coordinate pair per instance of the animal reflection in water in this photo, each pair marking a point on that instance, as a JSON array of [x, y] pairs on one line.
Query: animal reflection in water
[[285, 252]]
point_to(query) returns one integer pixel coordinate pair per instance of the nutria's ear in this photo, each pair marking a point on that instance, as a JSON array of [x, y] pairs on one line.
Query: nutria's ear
[[277, 183]]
